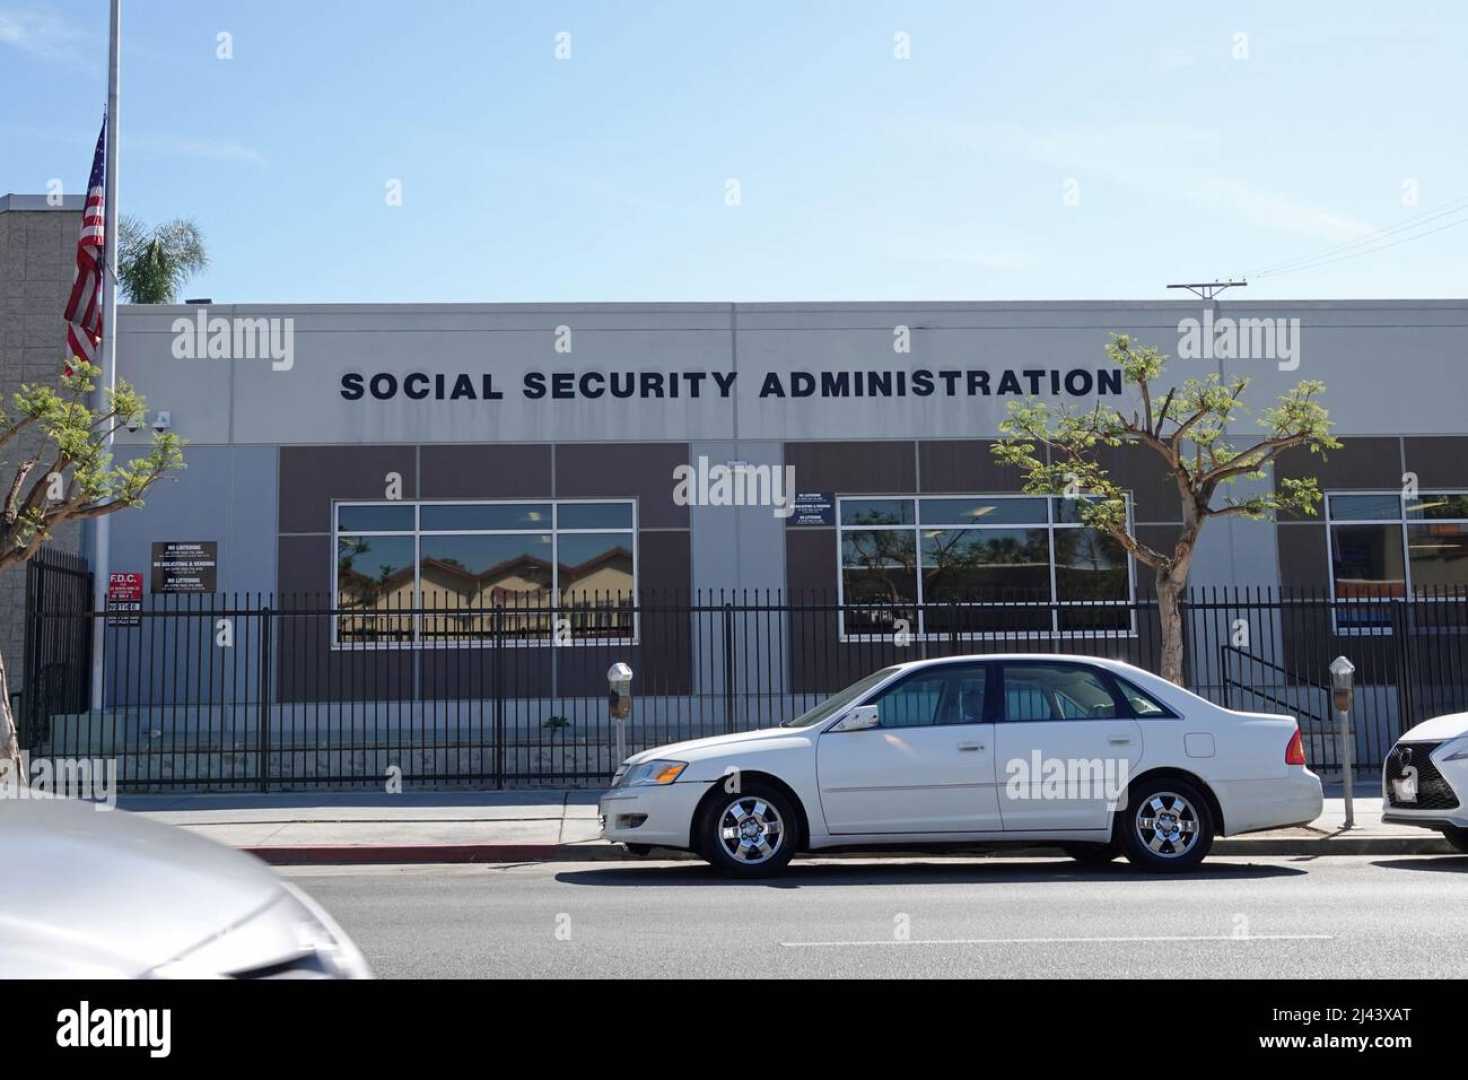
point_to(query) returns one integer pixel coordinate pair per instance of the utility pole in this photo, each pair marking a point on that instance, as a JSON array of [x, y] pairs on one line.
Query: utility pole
[[107, 353], [1207, 290]]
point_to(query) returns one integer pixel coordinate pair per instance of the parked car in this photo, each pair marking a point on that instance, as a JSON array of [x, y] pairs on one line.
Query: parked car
[[95, 894], [1095, 755], [1423, 775]]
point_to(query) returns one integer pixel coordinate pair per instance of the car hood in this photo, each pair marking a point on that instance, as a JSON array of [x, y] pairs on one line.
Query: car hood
[[91, 893], [1438, 728], [714, 745]]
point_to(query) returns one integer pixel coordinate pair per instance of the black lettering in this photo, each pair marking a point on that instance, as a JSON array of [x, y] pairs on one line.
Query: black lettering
[[383, 386], [463, 388], [950, 381], [587, 382], [419, 378], [1034, 377], [1009, 383], [534, 384], [835, 384], [802, 384], [922, 382], [1078, 388], [489, 392], [563, 385], [881, 383], [695, 381], [352, 386], [978, 383], [621, 390], [1108, 381], [771, 386], [725, 379], [652, 384]]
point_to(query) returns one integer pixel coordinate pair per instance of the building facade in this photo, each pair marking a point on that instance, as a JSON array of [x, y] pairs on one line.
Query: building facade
[[393, 515]]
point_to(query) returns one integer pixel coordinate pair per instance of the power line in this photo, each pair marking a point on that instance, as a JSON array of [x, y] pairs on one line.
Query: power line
[[1370, 243]]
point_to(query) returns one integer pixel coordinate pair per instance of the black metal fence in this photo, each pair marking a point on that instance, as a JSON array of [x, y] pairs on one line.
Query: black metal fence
[[58, 651], [263, 692]]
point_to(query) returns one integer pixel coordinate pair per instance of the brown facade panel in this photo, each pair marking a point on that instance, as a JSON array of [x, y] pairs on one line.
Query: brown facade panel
[[1142, 472], [625, 470], [1439, 461], [1304, 557], [312, 476], [1368, 462], [964, 467], [853, 468], [448, 471]]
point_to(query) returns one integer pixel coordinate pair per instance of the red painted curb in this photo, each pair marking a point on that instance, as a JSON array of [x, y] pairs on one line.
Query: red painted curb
[[359, 854]]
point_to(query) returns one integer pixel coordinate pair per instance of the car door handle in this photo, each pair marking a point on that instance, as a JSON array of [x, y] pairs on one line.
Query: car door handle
[[970, 746], [1120, 740]]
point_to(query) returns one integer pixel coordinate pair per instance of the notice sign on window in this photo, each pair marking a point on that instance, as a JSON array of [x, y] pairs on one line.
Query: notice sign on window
[[185, 566], [124, 598], [813, 508]]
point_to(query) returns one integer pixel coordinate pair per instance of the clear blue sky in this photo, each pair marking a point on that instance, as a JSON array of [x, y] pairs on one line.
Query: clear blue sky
[[863, 177]]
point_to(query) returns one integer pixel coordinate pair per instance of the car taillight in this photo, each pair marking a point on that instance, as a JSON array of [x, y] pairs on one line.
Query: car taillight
[[1295, 752]]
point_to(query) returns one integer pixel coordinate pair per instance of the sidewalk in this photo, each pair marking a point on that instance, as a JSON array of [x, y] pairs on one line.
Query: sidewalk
[[536, 826]]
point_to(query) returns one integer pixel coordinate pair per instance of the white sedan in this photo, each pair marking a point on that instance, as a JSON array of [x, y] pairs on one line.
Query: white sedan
[[1425, 778], [1095, 755]]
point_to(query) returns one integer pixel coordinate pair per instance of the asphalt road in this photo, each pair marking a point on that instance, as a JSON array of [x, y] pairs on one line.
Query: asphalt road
[[1337, 917]]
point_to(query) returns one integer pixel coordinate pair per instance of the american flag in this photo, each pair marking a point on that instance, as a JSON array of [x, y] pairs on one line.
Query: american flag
[[84, 308]]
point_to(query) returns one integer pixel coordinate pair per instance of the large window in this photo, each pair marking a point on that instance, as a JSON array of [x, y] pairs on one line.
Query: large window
[[976, 565], [540, 572], [1386, 545]]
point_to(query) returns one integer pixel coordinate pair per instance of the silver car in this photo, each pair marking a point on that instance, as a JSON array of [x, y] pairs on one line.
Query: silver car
[[93, 893]]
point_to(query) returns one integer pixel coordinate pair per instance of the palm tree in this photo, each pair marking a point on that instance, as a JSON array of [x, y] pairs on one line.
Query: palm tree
[[153, 265]]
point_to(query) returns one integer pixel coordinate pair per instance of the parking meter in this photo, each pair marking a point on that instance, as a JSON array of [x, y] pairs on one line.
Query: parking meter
[[1342, 687], [619, 703]]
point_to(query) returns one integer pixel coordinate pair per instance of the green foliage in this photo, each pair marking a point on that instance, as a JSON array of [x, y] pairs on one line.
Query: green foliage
[[153, 265], [1187, 426], [72, 475]]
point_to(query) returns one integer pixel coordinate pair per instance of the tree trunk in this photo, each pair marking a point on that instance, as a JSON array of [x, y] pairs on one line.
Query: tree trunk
[[1170, 613], [9, 742]]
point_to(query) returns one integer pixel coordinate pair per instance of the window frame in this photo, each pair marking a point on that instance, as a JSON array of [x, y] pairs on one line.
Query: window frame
[[417, 535], [1119, 703], [950, 673], [1402, 521], [1050, 525]]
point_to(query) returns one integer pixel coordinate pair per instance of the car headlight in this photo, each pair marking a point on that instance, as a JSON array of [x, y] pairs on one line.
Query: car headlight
[[652, 773], [290, 938]]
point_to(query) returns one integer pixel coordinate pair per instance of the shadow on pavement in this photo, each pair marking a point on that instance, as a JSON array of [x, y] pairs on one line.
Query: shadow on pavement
[[987, 872], [1443, 864]]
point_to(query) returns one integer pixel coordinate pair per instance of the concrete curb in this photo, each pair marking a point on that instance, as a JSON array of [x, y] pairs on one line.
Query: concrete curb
[[380, 854]]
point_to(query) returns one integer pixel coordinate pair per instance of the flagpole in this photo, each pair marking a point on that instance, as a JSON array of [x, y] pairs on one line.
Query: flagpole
[[107, 353]]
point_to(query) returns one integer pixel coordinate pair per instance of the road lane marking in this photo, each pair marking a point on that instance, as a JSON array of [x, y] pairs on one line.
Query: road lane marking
[[1060, 940]]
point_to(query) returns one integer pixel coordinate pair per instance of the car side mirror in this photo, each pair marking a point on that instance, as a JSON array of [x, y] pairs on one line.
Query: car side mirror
[[861, 718]]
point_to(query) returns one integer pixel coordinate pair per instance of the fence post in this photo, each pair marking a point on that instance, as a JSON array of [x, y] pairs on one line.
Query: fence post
[[1401, 617], [728, 668], [499, 696], [262, 737]]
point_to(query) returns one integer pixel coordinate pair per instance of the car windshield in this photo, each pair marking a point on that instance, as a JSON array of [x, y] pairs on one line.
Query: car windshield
[[836, 702]]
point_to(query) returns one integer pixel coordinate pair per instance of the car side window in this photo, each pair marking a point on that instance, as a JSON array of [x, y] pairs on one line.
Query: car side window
[[1056, 692], [1144, 705], [918, 701]]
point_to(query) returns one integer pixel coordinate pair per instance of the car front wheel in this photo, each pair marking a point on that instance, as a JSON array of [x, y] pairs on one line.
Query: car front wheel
[[748, 834], [1166, 826]]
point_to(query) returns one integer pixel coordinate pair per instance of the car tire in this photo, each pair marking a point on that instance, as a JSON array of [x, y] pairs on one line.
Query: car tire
[[1166, 826], [1456, 835], [1092, 854], [749, 834]]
